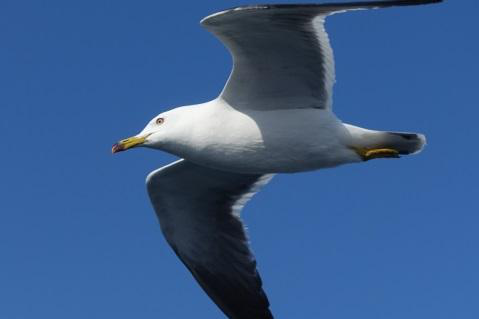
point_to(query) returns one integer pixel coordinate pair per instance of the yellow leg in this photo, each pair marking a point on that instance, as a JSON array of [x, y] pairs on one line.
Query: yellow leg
[[369, 154]]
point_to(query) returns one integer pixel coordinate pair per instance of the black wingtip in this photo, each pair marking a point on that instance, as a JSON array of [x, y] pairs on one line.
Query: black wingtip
[[331, 6], [354, 4]]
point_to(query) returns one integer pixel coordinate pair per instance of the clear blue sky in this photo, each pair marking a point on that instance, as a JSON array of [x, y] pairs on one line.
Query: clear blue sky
[[388, 239]]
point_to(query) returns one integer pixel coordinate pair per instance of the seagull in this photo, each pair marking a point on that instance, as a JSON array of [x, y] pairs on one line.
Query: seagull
[[273, 116]]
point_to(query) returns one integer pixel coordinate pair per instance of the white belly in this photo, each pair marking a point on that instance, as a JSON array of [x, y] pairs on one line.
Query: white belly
[[268, 141]]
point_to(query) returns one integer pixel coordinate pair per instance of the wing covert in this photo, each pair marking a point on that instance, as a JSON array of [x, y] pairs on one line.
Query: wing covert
[[282, 57], [198, 209]]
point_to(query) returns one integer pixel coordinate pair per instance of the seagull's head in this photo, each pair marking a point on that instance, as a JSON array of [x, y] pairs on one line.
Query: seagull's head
[[155, 134]]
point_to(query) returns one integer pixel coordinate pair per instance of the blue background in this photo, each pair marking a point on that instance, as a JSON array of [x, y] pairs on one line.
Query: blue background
[[384, 239]]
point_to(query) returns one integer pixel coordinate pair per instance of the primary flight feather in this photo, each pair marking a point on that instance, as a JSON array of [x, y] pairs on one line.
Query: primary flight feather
[[273, 116]]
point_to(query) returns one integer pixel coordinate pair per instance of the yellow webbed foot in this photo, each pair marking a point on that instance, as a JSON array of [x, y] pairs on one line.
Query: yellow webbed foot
[[369, 154]]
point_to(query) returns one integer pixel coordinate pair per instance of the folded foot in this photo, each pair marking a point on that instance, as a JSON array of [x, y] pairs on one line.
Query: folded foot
[[369, 154]]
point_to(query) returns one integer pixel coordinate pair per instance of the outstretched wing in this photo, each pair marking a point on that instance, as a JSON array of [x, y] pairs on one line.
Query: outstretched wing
[[199, 209], [282, 57]]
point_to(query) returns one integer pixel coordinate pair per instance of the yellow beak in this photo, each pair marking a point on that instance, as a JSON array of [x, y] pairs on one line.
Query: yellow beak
[[128, 143]]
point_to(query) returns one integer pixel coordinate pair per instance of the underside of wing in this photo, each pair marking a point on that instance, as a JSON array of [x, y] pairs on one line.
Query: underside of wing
[[282, 57], [198, 209]]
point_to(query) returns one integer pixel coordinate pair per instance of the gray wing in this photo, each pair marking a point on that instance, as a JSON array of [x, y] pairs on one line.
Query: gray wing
[[198, 209], [282, 57]]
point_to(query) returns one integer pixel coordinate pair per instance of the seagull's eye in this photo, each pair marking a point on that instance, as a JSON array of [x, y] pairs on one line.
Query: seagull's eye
[[160, 120]]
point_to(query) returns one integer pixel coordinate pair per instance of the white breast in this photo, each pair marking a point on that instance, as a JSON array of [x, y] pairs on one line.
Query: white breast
[[265, 141]]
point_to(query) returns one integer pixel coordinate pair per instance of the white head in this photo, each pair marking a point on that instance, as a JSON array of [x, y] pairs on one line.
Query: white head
[[161, 130]]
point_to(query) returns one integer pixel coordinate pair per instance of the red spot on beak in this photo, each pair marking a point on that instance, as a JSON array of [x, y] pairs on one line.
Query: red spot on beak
[[117, 148]]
